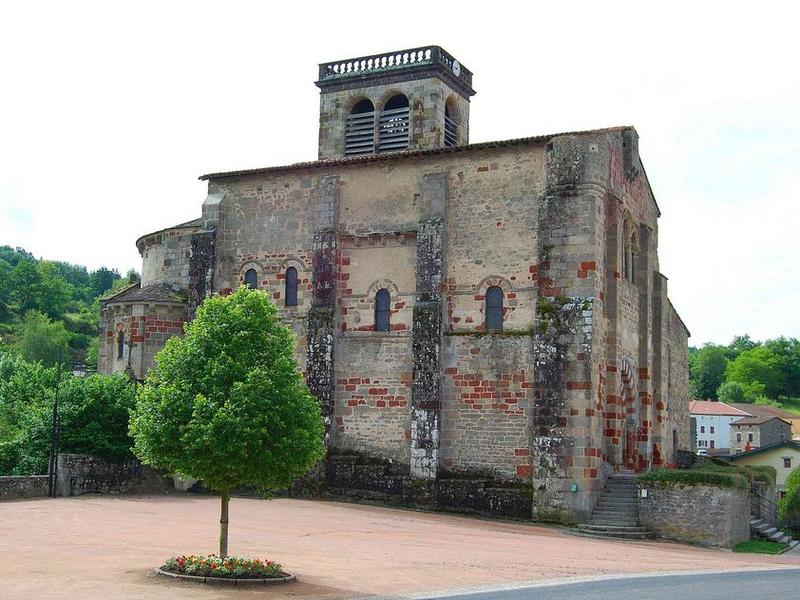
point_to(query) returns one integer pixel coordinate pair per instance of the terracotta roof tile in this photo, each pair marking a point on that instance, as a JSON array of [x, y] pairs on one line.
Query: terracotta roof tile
[[707, 407]]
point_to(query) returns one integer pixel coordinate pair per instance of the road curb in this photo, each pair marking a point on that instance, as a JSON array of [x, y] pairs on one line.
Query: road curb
[[232, 581]]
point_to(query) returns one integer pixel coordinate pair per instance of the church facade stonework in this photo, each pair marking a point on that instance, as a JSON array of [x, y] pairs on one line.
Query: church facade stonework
[[485, 325]]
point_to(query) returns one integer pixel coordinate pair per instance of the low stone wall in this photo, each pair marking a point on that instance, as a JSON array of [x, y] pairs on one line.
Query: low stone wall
[[24, 486], [700, 514], [82, 474]]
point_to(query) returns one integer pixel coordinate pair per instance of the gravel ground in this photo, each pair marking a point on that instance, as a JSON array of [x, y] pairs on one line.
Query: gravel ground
[[106, 547]]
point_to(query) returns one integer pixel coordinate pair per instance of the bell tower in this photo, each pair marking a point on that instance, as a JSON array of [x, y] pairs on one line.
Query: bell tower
[[414, 99]]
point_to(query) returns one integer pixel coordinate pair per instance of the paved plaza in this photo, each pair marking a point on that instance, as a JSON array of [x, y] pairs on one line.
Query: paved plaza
[[106, 547]]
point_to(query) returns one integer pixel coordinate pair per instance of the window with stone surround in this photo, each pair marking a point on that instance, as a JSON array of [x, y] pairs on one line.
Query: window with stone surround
[[494, 308], [120, 344], [787, 462], [251, 279], [382, 310], [290, 294]]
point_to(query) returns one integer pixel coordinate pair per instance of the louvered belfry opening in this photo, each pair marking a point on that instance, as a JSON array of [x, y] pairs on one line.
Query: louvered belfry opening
[[450, 127], [394, 125], [359, 131]]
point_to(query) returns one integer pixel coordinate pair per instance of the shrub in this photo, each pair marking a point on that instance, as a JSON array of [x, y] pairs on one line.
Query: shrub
[[710, 477]]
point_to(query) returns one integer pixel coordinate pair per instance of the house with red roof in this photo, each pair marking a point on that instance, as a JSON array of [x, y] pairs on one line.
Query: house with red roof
[[712, 425]]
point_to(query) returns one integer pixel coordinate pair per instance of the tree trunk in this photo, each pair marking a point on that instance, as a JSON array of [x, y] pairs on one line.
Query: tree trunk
[[223, 524]]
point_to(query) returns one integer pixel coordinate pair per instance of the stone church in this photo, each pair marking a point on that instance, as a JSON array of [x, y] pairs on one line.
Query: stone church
[[485, 325]]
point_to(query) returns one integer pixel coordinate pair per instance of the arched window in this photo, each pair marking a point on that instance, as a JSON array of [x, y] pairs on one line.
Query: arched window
[[251, 279], [394, 125], [359, 129], [450, 125], [120, 344], [291, 287], [494, 309], [382, 311]]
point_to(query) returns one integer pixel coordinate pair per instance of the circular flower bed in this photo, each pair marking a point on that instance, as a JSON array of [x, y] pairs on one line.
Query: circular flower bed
[[231, 567]]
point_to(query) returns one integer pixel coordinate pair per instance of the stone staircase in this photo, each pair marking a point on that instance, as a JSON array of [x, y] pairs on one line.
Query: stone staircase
[[762, 529], [616, 514]]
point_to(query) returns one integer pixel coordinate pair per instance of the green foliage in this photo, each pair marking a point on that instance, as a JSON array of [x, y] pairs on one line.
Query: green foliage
[[708, 366], [226, 403], [734, 391], [748, 371], [694, 477], [760, 547], [59, 290], [759, 365], [93, 412], [39, 339], [790, 504]]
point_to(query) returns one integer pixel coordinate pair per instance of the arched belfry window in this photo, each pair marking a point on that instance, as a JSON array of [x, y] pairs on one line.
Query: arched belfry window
[[450, 125], [494, 309], [291, 287], [251, 279], [382, 310], [359, 129], [120, 344], [393, 126]]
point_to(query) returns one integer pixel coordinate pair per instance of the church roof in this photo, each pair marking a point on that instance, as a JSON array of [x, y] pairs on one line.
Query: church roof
[[155, 292], [388, 156]]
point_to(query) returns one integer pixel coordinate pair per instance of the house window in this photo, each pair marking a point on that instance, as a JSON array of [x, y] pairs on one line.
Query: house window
[[702, 428], [120, 344], [787, 462], [382, 312], [251, 278], [711, 429], [359, 129], [712, 443], [291, 287], [738, 437], [394, 125], [494, 309], [749, 437]]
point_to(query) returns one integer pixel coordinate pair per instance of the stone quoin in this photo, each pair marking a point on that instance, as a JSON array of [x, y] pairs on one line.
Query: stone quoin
[[485, 325]]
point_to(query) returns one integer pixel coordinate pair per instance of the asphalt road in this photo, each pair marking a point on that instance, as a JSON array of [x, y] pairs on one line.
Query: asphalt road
[[783, 584]]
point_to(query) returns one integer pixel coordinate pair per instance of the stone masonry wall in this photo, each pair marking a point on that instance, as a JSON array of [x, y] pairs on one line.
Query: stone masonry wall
[[426, 99], [24, 486], [373, 395], [704, 515], [148, 326], [487, 404], [166, 255]]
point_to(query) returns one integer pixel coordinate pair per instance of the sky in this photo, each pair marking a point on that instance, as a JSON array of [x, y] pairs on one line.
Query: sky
[[110, 111]]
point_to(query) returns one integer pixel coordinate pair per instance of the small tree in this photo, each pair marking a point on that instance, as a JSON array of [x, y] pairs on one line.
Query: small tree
[[226, 403]]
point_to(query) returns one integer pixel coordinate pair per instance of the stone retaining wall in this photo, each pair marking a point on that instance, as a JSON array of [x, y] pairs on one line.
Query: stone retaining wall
[[23, 486], [704, 515]]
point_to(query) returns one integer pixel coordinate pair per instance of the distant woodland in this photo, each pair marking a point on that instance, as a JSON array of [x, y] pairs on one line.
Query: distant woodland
[[748, 371], [51, 308]]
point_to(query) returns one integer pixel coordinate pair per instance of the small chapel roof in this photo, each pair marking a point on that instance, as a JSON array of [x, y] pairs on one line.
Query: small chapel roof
[[155, 292]]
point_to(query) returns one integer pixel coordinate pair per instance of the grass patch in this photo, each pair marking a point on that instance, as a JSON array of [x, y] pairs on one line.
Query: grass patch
[[791, 405], [760, 547]]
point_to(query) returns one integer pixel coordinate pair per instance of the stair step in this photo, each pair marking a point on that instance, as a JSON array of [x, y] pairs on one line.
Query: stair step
[[615, 522], [593, 526], [614, 513], [624, 535]]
